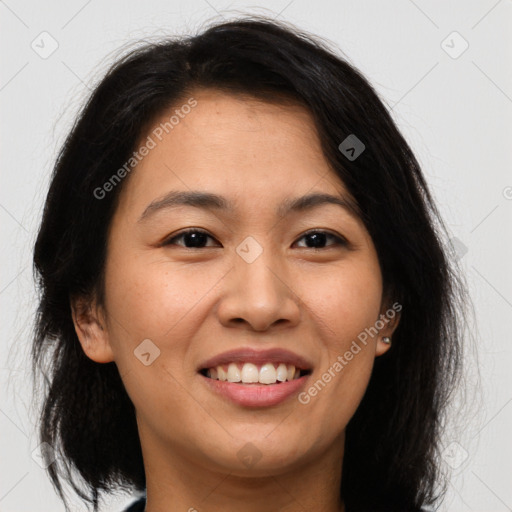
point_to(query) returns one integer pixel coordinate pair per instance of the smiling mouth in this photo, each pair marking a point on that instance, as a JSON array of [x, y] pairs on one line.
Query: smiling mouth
[[249, 373]]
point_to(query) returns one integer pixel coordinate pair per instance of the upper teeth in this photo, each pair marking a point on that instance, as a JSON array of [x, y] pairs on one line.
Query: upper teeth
[[249, 373]]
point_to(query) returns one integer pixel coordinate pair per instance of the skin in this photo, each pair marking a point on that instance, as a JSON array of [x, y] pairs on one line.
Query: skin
[[194, 303]]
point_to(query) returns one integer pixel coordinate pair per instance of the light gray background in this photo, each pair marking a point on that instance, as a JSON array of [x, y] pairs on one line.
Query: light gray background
[[455, 113]]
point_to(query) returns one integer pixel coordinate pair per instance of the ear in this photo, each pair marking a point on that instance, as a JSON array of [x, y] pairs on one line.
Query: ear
[[390, 317], [90, 327]]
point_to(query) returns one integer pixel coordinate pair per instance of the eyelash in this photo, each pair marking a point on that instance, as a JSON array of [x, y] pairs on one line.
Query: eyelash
[[340, 240]]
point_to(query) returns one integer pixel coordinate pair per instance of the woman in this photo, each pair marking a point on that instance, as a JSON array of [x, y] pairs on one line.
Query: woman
[[244, 287]]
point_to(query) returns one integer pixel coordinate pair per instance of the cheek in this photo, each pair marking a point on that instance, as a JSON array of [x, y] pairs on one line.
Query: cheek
[[146, 300], [347, 301], [150, 300], [346, 304]]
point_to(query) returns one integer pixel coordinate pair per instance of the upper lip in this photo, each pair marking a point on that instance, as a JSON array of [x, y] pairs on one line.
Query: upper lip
[[251, 355]]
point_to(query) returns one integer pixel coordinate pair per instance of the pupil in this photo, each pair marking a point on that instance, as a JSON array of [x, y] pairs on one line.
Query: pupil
[[197, 239], [317, 238]]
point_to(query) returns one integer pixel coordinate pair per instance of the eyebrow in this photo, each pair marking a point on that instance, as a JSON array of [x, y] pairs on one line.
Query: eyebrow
[[210, 201]]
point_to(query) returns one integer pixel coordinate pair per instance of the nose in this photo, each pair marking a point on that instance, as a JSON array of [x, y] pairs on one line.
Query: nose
[[258, 295]]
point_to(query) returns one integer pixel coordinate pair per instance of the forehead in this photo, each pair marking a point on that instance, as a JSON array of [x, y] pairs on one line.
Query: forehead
[[241, 126], [233, 145]]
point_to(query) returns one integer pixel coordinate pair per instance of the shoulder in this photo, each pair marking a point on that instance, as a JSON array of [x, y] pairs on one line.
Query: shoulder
[[137, 506]]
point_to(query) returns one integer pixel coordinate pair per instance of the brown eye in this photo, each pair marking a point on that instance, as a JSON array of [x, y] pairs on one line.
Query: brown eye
[[317, 239], [192, 239], [197, 239]]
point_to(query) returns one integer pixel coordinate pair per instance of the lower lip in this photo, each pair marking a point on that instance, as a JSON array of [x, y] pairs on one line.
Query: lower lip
[[256, 395]]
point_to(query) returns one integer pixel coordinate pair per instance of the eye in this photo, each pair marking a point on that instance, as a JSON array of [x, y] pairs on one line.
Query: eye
[[318, 238], [193, 238]]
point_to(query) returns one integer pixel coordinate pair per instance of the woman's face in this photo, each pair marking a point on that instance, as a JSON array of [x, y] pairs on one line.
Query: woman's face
[[252, 287]]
